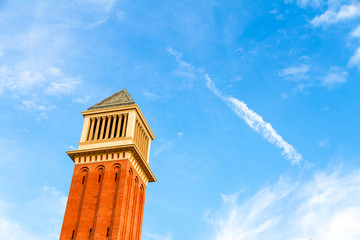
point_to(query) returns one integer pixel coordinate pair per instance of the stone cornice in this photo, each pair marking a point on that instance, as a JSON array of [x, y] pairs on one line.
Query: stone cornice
[[130, 147]]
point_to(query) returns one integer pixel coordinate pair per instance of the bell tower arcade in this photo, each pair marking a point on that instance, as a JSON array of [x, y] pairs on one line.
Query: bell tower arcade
[[107, 192]]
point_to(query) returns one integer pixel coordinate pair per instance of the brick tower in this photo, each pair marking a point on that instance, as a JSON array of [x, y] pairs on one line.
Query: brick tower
[[107, 193]]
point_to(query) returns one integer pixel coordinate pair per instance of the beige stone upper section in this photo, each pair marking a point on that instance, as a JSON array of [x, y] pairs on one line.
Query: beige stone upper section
[[110, 127]]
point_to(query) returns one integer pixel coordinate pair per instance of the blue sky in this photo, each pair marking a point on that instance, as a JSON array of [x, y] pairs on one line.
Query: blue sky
[[255, 106]]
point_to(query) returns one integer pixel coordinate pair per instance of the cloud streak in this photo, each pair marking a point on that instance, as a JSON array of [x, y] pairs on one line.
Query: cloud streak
[[256, 122]]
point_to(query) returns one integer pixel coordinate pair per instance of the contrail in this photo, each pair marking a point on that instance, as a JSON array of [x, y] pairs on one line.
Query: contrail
[[256, 122]]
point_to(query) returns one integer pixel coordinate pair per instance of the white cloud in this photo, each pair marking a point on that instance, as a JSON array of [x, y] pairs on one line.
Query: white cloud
[[346, 12], [334, 78], [338, 12], [320, 209], [295, 73], [355, 59], [256, 123]]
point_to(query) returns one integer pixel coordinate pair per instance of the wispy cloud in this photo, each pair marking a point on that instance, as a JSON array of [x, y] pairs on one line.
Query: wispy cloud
[[71, 147], [31, 105], [162, 148], [307, 3], [316, 209], [27, 81], [180, 134], [184, 69], [252, 218], [82, 100], [334, 78], [355, 59], [324, 143], [155, 236], [356, 32], [107, 5], [331, 79], [44, 213], [256, 123], [13, 231], [150, 95], [346, 12], [278, 15], [295, 73], [50, 207], [31, 54], [63, 86]]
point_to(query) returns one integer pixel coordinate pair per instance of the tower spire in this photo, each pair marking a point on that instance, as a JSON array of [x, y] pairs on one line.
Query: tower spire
[[120, 98]]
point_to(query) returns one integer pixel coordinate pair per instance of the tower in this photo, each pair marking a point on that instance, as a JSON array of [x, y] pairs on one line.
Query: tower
[[107, 192]]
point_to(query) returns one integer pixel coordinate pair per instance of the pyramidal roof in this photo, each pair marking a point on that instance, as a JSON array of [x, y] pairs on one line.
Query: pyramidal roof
[[121, 98]]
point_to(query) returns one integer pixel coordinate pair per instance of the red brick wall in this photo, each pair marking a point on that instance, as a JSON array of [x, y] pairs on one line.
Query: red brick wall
[[112, 207]]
